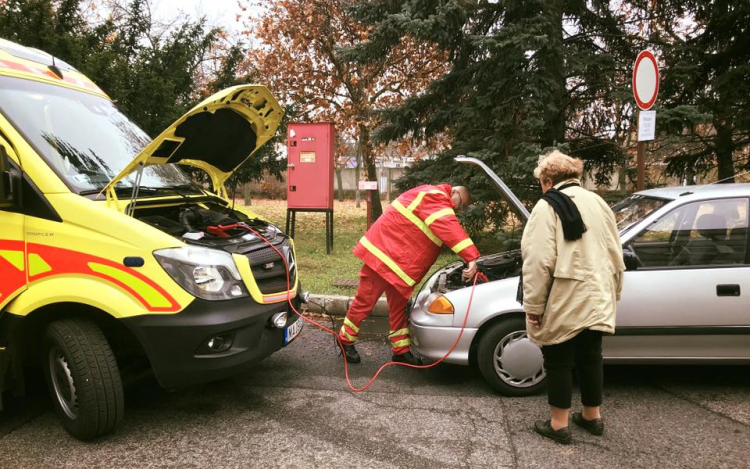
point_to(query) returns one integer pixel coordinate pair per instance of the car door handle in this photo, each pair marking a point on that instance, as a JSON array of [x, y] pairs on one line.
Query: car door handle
[[728, 290]]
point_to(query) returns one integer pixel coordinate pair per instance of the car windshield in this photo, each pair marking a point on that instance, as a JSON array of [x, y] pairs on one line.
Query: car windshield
[[82, 137], [635, 208]]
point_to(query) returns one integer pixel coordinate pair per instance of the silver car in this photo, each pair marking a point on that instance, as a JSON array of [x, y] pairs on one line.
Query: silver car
[[685, 250]]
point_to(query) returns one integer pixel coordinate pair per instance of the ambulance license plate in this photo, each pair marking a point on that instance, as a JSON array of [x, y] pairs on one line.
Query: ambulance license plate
[[291, 332]]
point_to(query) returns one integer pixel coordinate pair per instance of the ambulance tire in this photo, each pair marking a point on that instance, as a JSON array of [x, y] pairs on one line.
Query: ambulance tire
[[510, 363], [83, 378]]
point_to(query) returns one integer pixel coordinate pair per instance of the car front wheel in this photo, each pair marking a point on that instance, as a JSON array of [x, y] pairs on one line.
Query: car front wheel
[[509, 361], [83, 378]]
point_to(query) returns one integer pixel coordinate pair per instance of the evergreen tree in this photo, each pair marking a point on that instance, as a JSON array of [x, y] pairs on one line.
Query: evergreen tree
[[706, 84], [153, 76], [525, 76]]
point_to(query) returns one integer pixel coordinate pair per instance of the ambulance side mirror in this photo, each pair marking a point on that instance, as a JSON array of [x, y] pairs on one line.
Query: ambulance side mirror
[[6, 182]]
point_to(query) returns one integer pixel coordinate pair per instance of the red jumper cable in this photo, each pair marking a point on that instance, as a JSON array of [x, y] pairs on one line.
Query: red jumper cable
[[223, 228]]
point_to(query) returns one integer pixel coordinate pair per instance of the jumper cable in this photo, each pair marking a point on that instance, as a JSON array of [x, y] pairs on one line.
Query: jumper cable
[[224, 228]]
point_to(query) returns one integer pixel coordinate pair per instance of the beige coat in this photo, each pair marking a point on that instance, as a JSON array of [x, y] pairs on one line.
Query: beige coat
[[574, 285]]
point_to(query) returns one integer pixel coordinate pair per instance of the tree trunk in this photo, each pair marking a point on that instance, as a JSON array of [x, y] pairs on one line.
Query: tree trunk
[[368, 159], [340, 184], [724, 153], [552, 67]]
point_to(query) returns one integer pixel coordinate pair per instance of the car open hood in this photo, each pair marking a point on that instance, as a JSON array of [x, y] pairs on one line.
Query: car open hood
[[504, 190], [217, 135]]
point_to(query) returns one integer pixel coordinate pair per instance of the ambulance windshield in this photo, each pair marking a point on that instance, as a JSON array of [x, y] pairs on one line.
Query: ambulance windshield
[[84, 138]]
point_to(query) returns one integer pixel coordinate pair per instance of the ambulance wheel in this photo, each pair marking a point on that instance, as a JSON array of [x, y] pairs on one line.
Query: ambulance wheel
[[83, 378], [511, 363]]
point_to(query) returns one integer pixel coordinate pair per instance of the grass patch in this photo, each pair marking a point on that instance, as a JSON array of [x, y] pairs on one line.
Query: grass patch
[[318, 269]]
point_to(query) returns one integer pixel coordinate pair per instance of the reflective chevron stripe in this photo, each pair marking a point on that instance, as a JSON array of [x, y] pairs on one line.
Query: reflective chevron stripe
[[387, 261], [418, 199], [417, 222], [146, 291], [462, 245], [439, 214], [351, 325], [401, 343], [351, 338]]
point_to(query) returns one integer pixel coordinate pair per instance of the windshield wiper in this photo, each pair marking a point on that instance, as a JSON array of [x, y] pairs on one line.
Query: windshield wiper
[[127, 189], [118, 190]]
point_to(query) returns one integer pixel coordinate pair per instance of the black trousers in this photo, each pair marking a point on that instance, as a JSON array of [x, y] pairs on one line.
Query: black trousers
[[584, 352]]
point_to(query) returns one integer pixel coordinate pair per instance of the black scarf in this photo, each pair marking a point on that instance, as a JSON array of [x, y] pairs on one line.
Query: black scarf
[[573, 227], [570, 217]]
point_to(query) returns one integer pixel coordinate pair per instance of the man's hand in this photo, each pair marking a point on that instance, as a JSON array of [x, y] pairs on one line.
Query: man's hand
[[534, 319], [470, 270]]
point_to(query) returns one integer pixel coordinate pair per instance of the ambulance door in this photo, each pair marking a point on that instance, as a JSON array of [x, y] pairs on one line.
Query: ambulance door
[[12, 243]]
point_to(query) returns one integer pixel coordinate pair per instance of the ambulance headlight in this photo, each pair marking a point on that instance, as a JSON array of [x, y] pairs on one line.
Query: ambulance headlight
[[209, 274]]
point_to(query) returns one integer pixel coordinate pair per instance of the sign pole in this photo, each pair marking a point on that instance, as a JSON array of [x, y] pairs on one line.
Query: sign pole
[[371, 188], [641, 166], [645, 90]]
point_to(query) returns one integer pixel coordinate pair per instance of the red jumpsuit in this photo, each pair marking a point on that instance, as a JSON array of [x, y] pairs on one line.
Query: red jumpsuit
[[397, 251]]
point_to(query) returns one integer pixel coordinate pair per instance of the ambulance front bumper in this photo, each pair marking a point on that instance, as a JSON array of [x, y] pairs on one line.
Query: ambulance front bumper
[[177, 344]]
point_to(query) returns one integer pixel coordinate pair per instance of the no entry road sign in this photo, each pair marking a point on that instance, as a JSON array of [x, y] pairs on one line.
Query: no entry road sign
[[645, 80]]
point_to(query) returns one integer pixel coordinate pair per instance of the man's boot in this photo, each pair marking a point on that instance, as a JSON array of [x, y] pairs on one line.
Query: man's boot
[[351, 354], [407, 357]]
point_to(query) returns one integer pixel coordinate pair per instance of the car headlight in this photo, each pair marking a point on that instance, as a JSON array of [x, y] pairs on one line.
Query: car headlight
[[439, 304], [209, 274]]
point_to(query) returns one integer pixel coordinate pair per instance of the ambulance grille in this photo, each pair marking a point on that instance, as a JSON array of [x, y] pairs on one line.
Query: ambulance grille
[[268, 268]]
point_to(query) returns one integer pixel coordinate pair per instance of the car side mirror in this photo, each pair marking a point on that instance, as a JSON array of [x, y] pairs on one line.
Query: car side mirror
[[630, 258], [6, 182]]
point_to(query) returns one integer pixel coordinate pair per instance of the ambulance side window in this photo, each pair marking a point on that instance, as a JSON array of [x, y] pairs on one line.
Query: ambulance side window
[[6, 186], [27, 198]]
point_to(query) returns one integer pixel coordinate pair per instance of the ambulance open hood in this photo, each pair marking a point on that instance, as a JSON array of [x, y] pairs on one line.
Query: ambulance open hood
[[217, 135]]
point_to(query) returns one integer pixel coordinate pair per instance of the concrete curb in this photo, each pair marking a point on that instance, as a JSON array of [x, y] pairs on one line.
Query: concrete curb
[[338, 305]]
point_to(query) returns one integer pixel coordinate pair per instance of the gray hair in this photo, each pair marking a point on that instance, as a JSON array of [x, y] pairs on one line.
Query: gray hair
[[557, 166]]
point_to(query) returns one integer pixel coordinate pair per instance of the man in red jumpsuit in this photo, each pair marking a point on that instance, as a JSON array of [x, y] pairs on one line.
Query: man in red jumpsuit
[[397, 252]]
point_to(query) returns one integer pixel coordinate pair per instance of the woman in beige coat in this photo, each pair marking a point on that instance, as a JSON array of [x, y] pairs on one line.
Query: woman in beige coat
[[572, 274]]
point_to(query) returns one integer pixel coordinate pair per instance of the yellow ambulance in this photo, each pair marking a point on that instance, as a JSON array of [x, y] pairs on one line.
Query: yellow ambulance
[[113, 260]]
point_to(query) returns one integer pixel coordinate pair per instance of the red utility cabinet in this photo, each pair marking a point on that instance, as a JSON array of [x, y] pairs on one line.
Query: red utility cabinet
[[309, 176], [310, 155]]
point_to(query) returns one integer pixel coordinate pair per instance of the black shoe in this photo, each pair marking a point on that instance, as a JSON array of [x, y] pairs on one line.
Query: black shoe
[[595, 426], [351, 354], [544, 428], [407, 357]]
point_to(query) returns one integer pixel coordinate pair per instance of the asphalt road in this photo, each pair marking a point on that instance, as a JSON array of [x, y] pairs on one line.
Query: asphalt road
[[295, 410]]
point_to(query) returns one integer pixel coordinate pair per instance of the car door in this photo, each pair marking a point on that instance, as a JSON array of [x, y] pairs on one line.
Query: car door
[[12, 246], [689, 297]]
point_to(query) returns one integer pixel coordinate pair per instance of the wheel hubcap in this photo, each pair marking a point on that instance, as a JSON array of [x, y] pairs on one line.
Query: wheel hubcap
[[62, 383], [518, 361]]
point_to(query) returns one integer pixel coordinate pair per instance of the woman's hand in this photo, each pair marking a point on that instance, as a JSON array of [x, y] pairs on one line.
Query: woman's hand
[[534, 319]]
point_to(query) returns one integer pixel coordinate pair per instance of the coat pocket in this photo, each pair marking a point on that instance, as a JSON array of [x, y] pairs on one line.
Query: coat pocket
[[571, 274], [570, 264]]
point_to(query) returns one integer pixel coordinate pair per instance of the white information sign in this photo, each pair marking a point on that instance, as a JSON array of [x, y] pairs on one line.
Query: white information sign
[[368, 185], [646, 125]]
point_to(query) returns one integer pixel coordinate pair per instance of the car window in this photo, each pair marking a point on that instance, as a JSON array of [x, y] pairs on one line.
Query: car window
[[699, 234], [629, 211], [661, 231]]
